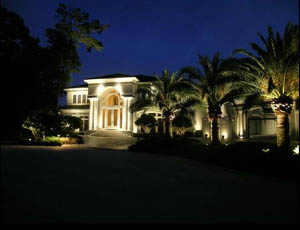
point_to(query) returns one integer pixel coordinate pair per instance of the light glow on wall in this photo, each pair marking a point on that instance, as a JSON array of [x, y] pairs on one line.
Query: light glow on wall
[[224, 135], [99, 89], [119, 89], [197, 127]]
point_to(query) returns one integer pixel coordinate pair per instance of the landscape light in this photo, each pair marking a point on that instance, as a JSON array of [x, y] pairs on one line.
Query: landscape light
[[296, 150]]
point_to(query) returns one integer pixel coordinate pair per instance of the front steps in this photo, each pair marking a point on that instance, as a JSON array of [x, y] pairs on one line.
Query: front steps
[[107, 133]]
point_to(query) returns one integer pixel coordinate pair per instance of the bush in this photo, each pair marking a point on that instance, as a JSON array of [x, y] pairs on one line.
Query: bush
[[189, 134], [147, 122], [26, 134], [51, 139], [198, 133], [51, 124], [181, 124], [256, 157]]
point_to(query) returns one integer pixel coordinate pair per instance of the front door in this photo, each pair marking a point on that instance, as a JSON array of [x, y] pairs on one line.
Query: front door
[[112, 118]]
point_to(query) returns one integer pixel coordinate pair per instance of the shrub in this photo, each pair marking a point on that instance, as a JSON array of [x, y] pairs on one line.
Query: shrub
[[198, 133], [147, 122], [181, 124], [26, 134], [51, 139]]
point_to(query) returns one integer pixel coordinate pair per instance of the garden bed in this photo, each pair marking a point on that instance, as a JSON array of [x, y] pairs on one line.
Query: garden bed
[[248, 156], [52, 141]]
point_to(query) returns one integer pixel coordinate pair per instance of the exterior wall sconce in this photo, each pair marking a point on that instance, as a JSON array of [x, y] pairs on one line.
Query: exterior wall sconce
[[206, 135], [223, 137]]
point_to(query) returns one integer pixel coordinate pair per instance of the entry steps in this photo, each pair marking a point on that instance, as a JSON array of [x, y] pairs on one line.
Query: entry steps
[[108, 133]]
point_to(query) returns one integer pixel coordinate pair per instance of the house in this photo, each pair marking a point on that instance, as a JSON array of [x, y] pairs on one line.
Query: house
[[103, 103]]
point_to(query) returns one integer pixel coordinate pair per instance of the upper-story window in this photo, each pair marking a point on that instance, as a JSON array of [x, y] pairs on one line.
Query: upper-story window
[[113, 100], [74, 99], [79, 99]]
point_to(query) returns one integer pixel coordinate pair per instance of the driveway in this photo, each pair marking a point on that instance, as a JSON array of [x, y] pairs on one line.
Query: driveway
[[84, 185], [115, 143]]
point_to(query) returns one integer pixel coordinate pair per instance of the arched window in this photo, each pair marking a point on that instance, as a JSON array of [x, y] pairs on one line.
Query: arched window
[[113, 100], [74, 99]]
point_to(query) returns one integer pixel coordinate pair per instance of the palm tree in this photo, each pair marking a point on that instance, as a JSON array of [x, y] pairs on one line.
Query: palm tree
[[166, 94], [274, 75], [214, 87]]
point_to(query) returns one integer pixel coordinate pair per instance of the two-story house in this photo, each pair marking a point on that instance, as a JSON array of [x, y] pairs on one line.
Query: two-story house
[[103, 104]]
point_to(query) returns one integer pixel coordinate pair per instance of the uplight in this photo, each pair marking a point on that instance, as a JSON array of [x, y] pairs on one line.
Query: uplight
[[296, 150]]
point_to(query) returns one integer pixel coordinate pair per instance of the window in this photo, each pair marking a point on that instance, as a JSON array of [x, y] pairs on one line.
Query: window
[[74, 99], [84, 98], [79, 98], [113, 100]]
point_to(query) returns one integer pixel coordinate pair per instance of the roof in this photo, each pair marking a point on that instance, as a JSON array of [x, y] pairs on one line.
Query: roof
[[77, 86], [75, 107], [140, 77]]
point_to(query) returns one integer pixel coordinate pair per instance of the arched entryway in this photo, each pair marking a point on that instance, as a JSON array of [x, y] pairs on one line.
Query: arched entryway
[[112, 110]]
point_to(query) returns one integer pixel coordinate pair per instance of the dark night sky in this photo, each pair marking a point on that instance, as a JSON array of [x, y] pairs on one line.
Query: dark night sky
[[148, 36]]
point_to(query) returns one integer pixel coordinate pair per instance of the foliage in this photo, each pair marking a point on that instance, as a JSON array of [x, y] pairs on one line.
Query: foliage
[[62, 59], [274, 75], [39, 74], [146, 121], [214, 87], [245, 157], [20, 57], [198, 133], [275, 72], [182, 123], [51, 124], [167, 94]]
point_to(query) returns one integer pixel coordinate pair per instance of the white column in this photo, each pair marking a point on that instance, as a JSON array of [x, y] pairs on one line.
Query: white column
[[95, 114], [118, 118], [129, 116], [126, 114], [106, 119], [91, 114], [124, 117], [241, 123], [100, 117]]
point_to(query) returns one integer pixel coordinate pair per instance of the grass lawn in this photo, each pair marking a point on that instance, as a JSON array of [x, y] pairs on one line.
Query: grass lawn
[[252, 156]]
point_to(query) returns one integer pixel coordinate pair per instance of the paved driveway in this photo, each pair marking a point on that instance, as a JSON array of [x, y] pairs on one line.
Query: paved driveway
[[81, 185], [116, 143]]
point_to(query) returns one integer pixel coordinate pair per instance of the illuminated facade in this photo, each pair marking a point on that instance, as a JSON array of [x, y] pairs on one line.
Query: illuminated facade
[[103, 104]]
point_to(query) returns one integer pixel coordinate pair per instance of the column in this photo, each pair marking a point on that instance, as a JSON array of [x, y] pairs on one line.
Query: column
[[95, 114], [100, 117], [91, 114], [124, 116], [129, 115], [118, 118], [240, 123]]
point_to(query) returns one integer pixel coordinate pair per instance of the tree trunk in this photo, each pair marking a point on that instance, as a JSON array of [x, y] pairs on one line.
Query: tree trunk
[[215, 130], [164, 127], [171, 129], [283, 129]]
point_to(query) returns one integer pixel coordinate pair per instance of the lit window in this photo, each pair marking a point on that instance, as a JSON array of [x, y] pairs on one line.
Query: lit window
[[74, 99], [113, 100], [79, 98]]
